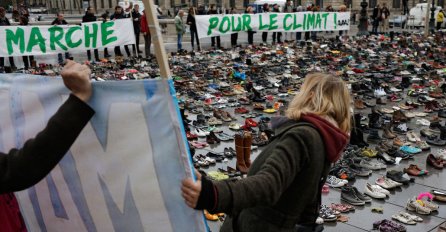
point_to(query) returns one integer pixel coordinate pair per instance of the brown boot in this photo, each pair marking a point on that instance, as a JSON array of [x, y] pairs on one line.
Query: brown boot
[[240, 165], [398, 116], [388, 134], [247, 141], [359, 104]]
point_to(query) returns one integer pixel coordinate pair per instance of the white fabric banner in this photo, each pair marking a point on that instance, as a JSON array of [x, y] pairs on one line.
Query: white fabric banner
[[214, 25], [43, 40], [124, 171]]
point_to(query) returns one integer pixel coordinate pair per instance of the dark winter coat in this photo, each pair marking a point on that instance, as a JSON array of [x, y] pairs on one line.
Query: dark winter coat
[[89, 18], [118, 16], [136, 16], [375, 13], [191, 22], [4, 22], [283, 184], [59, 22]]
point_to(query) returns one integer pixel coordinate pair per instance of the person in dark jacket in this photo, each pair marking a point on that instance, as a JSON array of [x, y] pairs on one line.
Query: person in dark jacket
[[87, 18], [284, 183], [60, 20], [40, 155], [193, 28], [376, 19], [136, 17], [119, 14], [213, 11], [277, 36], [27, 60], [250, 10], [146, 33], [5, 22], [266, 10], [105, 17], [234, 36]]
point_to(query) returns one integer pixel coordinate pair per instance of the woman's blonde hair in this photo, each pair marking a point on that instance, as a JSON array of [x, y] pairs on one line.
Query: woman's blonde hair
[[323, 95]]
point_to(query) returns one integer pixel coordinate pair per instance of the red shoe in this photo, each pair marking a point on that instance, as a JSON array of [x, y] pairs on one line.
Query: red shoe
[[241, 110], [191, 136], [250, 122]]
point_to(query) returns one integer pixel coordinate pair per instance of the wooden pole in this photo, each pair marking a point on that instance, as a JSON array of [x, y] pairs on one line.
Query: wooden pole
[[157, 38]]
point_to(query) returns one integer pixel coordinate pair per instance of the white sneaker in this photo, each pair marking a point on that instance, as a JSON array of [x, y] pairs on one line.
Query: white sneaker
[[411, 216], [441, 154], [423, 122], [334, 182], [373, 192], [392, 182]]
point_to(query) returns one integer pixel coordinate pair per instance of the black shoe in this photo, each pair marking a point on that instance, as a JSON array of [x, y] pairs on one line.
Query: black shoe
[[442, 113], [397, 176], [386, 158], [349, 195], [374, 136], [361, 196]]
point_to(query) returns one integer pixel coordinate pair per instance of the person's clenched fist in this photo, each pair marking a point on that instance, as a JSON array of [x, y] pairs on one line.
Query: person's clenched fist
[[76, 78]]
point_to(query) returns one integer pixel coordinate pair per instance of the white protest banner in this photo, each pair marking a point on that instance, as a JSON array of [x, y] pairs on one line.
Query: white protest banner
[[214, 25], [125, 169], [42, 40]]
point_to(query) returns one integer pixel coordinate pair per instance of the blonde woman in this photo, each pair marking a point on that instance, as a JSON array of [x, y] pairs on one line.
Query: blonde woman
[[284, 183]]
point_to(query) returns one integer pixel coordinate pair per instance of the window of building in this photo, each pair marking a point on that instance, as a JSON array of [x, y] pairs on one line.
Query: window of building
[[441, 3], [245, 3], [372, 3], [320, 4], [396, 4]]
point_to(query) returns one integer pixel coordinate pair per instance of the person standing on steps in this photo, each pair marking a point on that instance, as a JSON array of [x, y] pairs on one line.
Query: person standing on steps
[[213, 11], [180, 28], [136, 17], [146, 33], [21, 168], [307, 141], [60, 20], [193, 28], [90, 17]]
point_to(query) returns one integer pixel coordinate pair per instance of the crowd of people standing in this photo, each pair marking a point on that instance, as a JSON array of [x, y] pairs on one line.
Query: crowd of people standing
[[276, 37]]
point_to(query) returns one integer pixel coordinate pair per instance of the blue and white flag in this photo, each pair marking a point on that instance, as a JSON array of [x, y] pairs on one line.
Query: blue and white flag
[[124, 171]]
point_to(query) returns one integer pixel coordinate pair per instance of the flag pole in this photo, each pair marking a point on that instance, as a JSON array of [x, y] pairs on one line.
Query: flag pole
[[157, 38]]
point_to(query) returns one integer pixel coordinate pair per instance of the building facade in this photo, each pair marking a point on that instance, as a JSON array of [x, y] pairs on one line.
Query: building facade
[[75, 6]]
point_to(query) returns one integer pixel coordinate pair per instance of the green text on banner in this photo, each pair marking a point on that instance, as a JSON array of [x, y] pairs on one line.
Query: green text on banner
[[42, 40], [214, 25]]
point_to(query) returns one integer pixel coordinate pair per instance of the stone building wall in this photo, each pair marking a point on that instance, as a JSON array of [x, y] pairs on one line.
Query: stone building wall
[[69, 6]]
